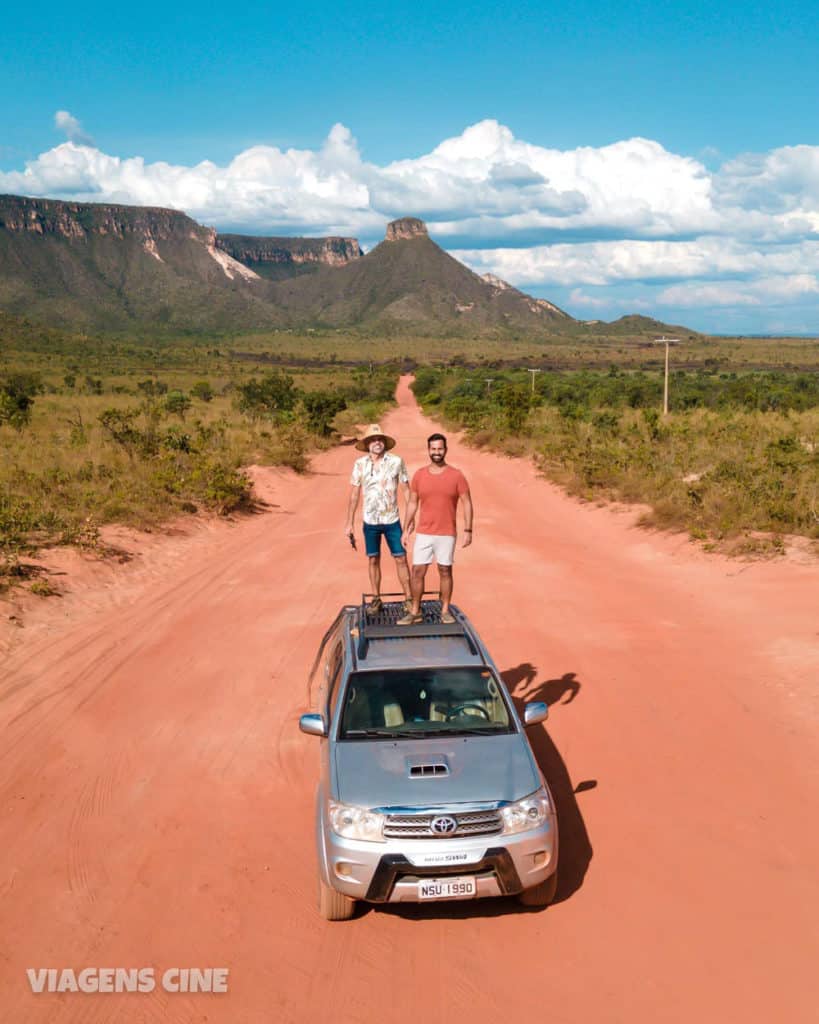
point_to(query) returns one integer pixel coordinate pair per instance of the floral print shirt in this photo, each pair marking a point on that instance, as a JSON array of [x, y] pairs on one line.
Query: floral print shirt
[[379, 486]]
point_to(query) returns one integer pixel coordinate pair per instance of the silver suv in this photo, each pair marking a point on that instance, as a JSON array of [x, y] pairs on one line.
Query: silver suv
[[429, 789]]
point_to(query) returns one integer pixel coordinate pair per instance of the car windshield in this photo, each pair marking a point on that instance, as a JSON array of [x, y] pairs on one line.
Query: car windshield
[[423, 702]]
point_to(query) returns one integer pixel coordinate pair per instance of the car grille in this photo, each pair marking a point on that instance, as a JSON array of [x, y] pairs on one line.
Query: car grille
[[419, 826]]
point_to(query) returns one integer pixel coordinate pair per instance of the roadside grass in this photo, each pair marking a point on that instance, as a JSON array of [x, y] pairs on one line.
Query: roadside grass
[[730, 474], [100, 442], [139, 430], [561, 352], [323, 351]]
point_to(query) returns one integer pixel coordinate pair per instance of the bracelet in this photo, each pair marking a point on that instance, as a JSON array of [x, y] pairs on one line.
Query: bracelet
[[467, 531]]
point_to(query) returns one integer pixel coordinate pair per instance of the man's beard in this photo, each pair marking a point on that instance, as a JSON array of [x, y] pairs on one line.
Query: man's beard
[[437, 458]]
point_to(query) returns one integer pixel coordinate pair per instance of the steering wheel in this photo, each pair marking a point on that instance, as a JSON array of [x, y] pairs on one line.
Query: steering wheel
[[467, 709]]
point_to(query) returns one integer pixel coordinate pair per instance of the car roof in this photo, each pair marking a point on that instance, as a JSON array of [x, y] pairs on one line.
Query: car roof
[[377, 643]]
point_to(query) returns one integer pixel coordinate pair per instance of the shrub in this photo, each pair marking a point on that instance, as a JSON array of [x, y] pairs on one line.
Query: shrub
[[221, 487], [291, 447], [42, 588], [321, 408], [120, 426], [274, 393], [515, 400], [17, 393], [177, 404], [152, 388]]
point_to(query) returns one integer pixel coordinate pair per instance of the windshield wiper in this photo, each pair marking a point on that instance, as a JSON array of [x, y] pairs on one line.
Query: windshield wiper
[[466, 730], [385, 733], [417, 734]]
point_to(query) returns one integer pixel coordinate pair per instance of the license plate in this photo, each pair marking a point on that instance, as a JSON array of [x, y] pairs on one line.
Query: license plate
[[447, 888]]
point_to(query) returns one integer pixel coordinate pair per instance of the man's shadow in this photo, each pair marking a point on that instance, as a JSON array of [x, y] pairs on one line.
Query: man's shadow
[[522, 685], [575, 852]]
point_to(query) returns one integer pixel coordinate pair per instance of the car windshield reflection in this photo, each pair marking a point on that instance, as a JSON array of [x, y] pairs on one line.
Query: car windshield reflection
[[423, 702]]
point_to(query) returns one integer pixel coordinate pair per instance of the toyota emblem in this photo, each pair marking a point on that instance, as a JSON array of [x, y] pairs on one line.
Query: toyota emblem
[[443, 826]]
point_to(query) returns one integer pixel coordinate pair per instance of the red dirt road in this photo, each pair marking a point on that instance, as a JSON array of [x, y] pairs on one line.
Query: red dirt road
[[157, 794]]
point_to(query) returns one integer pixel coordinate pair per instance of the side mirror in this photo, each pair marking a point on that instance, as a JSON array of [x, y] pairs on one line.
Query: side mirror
[[313, 725], [535, 711]]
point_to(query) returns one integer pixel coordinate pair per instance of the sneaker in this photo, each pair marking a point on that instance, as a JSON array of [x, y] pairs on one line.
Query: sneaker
[[375, 606], [409, 619], [447, 618]]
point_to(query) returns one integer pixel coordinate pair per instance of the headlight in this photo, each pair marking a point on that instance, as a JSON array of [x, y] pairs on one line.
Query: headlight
[[530, 812], [355, 822]]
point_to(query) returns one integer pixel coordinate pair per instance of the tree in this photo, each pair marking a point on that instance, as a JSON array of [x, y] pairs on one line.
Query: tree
[[275, 392], [177, 404], [321, 408], [120, 426], [152, 388], [515, 400], [17, 392]]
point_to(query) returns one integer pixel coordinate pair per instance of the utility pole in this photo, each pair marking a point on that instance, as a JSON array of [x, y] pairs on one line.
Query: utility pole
[[533, 372], [665, 341]]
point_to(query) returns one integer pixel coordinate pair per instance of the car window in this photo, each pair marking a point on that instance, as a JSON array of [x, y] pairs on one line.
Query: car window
[[318, 678], [423, 702], [334, 663]]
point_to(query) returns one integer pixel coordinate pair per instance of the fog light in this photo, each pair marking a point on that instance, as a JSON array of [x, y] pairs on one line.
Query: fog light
[[541, 858], [343, 869]]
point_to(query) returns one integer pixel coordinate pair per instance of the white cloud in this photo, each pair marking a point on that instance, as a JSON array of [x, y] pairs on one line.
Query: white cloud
[[71, 127], [766, 291], [602, 263], [578, 297], [606, 218], [484, 184]]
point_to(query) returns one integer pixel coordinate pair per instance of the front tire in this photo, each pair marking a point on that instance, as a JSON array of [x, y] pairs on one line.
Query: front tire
[[334, 905], [539, 895]]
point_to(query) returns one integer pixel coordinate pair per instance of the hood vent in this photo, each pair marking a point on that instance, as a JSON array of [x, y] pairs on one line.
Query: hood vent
[[427, 769]]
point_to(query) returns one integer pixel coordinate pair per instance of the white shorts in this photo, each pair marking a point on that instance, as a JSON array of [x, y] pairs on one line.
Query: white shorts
[[431, 545]]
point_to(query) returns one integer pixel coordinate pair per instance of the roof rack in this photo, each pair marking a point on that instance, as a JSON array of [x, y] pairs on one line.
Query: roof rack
[[383, 624]]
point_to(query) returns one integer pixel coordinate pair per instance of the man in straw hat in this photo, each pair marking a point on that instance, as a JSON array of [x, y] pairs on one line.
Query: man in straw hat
[[377, 475]]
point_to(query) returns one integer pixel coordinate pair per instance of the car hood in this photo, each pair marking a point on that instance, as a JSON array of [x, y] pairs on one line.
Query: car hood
[[376, 773]]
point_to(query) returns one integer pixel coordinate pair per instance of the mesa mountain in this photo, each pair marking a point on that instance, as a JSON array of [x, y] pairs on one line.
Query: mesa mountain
[[103, 267]]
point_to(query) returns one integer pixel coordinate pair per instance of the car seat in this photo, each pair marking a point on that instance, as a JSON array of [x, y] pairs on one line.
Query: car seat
[[392, 711]]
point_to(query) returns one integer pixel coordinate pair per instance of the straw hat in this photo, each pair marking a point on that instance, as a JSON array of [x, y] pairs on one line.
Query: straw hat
[[363, 444]]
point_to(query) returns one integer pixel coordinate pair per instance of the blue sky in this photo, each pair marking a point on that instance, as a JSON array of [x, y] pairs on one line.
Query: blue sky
[[612, 157]]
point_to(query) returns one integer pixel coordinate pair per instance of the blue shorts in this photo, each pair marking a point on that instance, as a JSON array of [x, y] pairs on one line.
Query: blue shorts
[[373, 532]]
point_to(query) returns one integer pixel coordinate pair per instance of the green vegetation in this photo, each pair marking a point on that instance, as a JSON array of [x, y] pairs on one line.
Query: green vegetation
[[102, 431], [17, 393], [106, 429], [738, 453]]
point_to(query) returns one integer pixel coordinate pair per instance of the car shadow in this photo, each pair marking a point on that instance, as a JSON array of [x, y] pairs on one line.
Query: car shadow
[[575, 847]]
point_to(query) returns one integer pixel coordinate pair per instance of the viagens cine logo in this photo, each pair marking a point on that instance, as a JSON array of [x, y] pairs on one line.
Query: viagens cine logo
[[127, 979]]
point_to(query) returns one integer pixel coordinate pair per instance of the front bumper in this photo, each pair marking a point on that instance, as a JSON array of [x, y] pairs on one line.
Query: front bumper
[[389, 872]]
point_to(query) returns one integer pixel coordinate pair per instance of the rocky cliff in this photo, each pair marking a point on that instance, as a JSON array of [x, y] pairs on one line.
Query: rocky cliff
[[252, 250], [81, 220], [406, 227], [104, 266], [407, 282]]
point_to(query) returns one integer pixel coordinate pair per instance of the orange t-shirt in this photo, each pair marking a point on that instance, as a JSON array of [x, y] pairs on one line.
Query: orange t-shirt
[[438, 494]]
